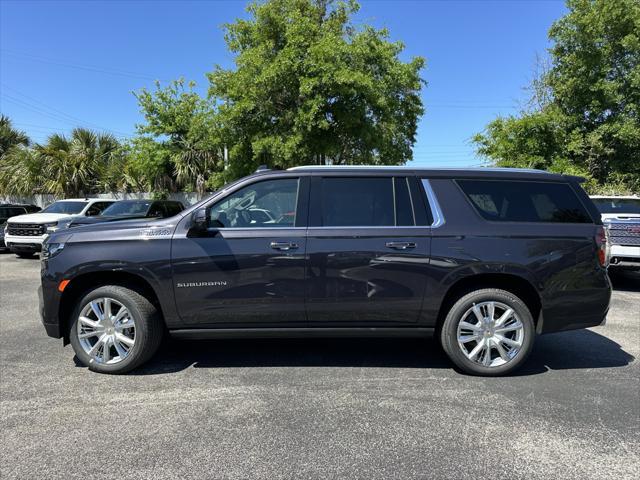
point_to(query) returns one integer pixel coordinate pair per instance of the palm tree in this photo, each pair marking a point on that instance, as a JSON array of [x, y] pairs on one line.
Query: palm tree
[[194, 165], [10, 137], [19, 170], [73, 167]]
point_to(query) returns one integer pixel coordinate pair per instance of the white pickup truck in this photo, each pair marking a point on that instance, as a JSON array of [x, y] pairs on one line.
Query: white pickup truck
[[621, 216], [24, 234]]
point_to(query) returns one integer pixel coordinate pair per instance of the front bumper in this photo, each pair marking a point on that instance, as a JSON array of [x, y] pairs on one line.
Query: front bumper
[[48, 307], [24, 244]]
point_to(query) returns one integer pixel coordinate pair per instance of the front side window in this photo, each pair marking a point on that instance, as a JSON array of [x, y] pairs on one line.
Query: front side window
[[69, 208], [365, 202], [128, 207], [522, 201], [271, 203], [97, 208]]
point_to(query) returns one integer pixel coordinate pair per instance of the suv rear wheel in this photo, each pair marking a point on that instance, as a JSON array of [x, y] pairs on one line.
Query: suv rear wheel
[[115, 329], [488, 332]]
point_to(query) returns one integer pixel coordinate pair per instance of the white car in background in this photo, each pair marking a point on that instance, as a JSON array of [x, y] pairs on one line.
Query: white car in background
[[621, 216], [24, 234]]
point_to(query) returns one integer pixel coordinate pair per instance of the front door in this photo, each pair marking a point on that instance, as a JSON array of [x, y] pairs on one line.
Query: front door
[[250, 269], [367, 257]]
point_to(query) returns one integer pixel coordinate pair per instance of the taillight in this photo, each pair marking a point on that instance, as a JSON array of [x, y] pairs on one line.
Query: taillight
[[602, 243]]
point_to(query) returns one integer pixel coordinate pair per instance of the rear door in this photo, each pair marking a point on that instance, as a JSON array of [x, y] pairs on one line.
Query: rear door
[[250, 269], [368, 248]]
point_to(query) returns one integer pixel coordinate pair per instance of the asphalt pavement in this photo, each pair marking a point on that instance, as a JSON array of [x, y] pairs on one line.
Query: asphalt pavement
[[343, 408]]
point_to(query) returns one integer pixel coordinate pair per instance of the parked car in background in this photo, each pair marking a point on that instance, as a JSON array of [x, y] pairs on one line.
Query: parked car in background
[[25, 233], [131, 209], [8, 210], [621, 217], [483, 259]]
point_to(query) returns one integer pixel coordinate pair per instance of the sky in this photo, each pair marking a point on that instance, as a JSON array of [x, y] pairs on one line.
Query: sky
[[76, 63]]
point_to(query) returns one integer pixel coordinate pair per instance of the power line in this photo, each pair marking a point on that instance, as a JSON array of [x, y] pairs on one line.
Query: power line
[[37, 106], [89, 68]]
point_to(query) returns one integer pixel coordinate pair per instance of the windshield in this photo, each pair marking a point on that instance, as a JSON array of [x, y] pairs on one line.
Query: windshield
[[69, 208], [128, 207], [618, 205]]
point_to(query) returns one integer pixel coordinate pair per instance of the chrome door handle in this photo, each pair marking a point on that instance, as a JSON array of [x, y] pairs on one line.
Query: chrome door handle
[[400, 245], [284, 245]]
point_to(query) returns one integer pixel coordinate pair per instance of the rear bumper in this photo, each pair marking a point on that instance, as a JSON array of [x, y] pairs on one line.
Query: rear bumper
[[576, 309], [625, 257]]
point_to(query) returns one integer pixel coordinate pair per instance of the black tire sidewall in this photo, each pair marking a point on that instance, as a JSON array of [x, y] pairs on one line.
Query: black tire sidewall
[[449, 332], [128, 298]]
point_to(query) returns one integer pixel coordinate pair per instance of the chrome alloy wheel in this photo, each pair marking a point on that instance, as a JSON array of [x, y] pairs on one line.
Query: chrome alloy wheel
[[106, 330], [490, 334]]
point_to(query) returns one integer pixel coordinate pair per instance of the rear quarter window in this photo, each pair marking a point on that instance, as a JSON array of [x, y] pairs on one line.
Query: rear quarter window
[[522, 201]]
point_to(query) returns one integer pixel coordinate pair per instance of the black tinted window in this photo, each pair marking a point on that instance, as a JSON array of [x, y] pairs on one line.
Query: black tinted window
[[8, 212], [404, 209], [173, 208], [518, 201], [352, 202]]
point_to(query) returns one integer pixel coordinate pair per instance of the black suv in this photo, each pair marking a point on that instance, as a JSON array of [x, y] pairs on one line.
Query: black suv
[[8, 210], [485, 259]]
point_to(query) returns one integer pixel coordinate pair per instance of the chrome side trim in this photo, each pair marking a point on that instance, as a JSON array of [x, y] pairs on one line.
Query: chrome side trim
[[436, 211]]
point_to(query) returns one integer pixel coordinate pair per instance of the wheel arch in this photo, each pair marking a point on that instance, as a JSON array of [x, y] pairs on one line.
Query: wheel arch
[[82, 284], [518, 285]]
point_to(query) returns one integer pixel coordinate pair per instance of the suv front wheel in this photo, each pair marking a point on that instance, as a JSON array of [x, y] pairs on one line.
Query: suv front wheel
[[115, 329], [488, 332]]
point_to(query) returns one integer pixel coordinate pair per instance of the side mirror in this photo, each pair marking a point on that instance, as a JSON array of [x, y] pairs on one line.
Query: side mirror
[[200, 220]]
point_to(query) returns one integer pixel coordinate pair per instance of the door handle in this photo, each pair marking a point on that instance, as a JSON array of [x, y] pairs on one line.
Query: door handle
[[284, 245], [400, 245]]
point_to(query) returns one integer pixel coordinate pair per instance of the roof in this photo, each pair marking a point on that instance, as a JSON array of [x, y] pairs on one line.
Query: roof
[[482, 172], [621, 197]]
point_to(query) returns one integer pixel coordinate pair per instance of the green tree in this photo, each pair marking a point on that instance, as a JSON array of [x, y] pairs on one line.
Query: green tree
[[182, 127], [75, 166], [310, 87], [147, 167], [10, 137], [587, 115], [19, 169]]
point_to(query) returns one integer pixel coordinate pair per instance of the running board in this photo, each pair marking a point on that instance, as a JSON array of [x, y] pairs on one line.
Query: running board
[[295, 332]]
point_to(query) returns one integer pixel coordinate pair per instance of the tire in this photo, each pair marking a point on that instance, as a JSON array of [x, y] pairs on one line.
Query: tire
[[25, 255], [147, 333], [488, 333]]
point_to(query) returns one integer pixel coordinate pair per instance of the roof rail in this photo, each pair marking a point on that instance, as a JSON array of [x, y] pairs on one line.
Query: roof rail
[[262, 168]]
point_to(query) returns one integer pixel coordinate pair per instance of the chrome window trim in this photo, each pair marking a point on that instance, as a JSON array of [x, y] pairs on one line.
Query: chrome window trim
[[362, 227], [255, 229], [436, 211]]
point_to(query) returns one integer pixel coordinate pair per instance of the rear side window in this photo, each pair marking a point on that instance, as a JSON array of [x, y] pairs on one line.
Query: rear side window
[[519, 201], [366, 202]]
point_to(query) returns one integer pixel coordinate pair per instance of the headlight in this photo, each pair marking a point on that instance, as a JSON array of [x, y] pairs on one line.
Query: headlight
[[51, 249], [51, 226]]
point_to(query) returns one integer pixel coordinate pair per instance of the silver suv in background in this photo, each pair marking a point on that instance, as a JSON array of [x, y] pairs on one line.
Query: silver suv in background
[[621, 217]]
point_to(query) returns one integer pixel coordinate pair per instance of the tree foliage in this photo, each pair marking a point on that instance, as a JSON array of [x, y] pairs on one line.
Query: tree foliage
[[183, 127], [75, 166], [309, 87], [589, 120], [82, 164], [18, 167]]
